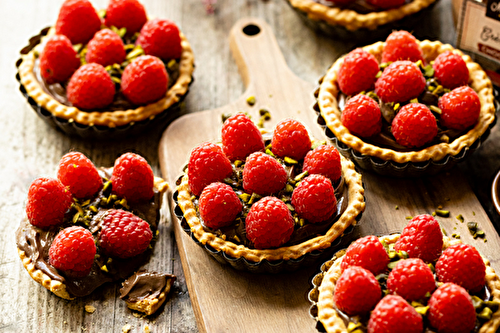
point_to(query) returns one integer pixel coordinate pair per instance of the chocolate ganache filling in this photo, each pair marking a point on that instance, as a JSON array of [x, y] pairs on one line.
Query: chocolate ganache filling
[[429, 97], [145, 284], [359, 6], [303, 230], [36, 242]]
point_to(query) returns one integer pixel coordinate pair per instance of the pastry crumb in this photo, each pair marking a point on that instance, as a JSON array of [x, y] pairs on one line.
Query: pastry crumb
[[89, 309], [146, 329], [126, 328]]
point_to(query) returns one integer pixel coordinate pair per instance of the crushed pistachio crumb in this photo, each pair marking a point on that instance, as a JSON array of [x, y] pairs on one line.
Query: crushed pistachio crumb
[[89, 309], [251, 100]]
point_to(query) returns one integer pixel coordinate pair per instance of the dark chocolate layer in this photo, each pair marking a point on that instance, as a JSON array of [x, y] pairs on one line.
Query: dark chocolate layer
[[35, 242]]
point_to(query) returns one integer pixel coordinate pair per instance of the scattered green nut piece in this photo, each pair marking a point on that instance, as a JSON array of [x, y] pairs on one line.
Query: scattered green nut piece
[[442, 213], [288, 188], [316, 144], [104, 268], [460, 218], [251, 100], [245, 197], [435, 109], [351, 327], [422, 310], [485, 314], [493, 305], [301, 176], [269, 152], [289, 160]]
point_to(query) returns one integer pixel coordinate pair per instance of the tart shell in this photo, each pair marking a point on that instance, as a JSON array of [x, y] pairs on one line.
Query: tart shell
[[287, 258], [58, 287], [426, 161], [321, 296], [348, 24], [100, 124]]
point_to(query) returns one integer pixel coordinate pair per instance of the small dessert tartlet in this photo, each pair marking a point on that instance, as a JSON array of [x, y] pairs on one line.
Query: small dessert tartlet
[[110, 217], [265, 173], [114, 44], [410, 288], [344, 19], [430, 91]]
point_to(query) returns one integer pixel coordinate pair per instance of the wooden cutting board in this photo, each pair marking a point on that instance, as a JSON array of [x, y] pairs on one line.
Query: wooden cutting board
[[227, 300]]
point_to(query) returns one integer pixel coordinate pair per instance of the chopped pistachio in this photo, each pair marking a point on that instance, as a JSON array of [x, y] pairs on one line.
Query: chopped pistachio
[[269, 152], [93, 209], [396, 207], [396, 106], [351, 327], [457, 236], [265, 113], [477, 302], [255, 197], [238, 163], [104, 268], [289, 160], [288, 188], [302, 222], [472, 226], [137, 51], [422, 310], [106, 186], [251, 100], [435, 109], [101, 13], [379, 74], [431, 266], [290, 207], [77, 47], [123, 203], [245, 197], [129, 47], [316, 144], [236, 238], [460, 218], [75, 217], [193, 198], [415, 100], [444, 138], [485, 314], [409, 217], [301, 176], [392, 264], [493, 305], [442, 213], [439, 89]]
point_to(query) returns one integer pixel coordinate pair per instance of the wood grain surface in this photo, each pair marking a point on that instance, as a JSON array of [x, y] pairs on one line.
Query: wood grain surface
[[276, 303], [30, 149]]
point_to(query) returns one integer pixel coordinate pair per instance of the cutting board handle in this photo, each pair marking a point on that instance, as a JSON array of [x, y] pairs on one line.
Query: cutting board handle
[[258, 55]]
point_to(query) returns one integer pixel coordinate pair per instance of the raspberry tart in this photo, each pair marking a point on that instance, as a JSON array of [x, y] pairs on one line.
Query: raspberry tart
[[106, 74], [259, 208], [90, 226], [362, 20], [416, 281], [442, 115]]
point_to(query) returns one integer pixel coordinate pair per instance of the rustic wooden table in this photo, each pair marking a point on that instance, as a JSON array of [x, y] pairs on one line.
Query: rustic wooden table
[[30, 148]]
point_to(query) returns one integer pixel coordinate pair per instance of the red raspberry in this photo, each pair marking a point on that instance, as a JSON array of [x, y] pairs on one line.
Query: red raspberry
[[450, 70], [401, 81], [462, 264], [394, 315], [357, 73], [362, 116], [367, 252], [79, 173], [128, 14], [411, 279], [269, 223], [145, 80], [421, 238], [219, 205], [314, 199], [48, 201], [357, 291], [324, 160], [263, 175], [132, 178], [161, 38], [78, 20], [386, 4], [58, 60], [402, 45], [451, 310], [207, 164], [414, 125], [73, 251], [290, 138], [106, 48], [91, 87], [240, 137], [123, 234], [460, 108]]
